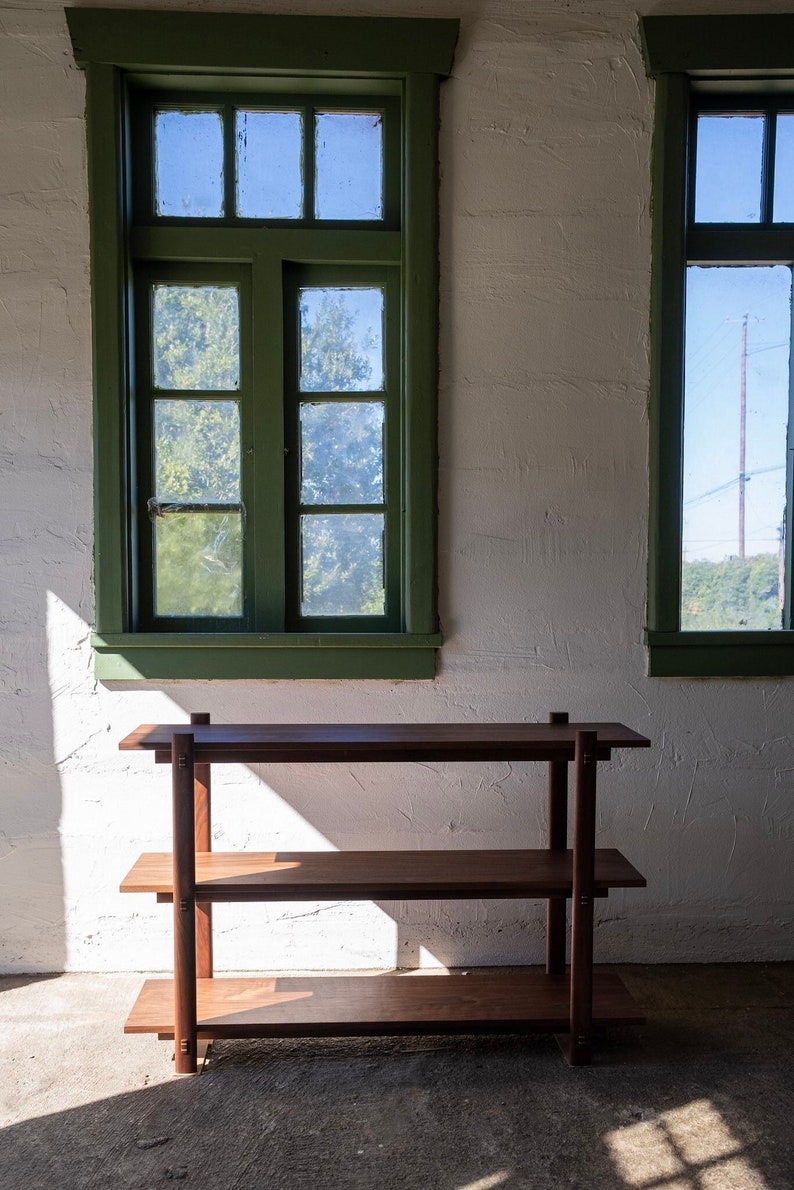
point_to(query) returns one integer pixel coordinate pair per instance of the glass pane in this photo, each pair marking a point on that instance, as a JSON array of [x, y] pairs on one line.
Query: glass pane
[[188, 171], [342, 565], [197, 451], [341, 340], [196, 333], [342, 453], [728, 169], [783, 204], [349, 165], [269, 164], [198, 564], [735, 419]]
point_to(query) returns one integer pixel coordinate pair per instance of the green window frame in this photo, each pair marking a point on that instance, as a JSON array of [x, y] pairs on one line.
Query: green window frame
[[733, 63], [136, 62]]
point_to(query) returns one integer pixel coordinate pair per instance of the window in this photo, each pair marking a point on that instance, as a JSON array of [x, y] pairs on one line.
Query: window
[[263, 220], [722, 430]]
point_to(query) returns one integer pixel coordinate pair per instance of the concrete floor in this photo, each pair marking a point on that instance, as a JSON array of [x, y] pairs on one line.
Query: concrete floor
[[700, 1098]]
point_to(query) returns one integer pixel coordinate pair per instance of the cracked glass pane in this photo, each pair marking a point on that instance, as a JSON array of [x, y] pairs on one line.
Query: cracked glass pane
[[198, 564]]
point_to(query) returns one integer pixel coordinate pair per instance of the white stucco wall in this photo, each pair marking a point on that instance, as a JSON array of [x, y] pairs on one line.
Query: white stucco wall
[[545, 253]]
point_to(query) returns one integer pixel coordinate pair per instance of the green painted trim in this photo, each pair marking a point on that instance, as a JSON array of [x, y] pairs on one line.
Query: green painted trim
[[160, 658], [239, 245], [732, 245], [109, 642], [668, 280], [751, 44], [746, 640], [109, 313], [676, 50], [420, 287], [136, 39], [685, 658], [125, 50]]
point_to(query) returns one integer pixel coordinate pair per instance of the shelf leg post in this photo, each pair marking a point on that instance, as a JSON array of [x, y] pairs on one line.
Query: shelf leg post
[[183, 776], [581, 1021], [203, 799], [558, 841]]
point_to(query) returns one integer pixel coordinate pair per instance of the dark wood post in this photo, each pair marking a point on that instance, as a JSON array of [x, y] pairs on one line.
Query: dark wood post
[[203, 796], [183, 776], [558, 841], [581, 1038]]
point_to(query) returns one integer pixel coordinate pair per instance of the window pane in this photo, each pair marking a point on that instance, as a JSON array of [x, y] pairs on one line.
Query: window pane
[[269, 164], [342, 453], [341, 340], [197, 451], [784, 170], [728, 169], [349, 165], [196, 333], [188, 154], [198, 563], [342, 565], [738, 322]]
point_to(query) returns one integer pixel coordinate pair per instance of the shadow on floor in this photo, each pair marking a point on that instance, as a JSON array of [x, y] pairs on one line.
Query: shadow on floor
[[697, 1099]]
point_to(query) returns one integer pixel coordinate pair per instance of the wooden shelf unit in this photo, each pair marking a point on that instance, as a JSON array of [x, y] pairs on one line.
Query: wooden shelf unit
[[195, 1005]]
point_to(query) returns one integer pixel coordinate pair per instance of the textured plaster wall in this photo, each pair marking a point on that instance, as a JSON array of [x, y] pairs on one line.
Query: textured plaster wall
[[545, 253]]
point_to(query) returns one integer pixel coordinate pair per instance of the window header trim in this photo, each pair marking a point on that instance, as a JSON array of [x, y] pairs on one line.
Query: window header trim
[[254, 44], [748, 44]]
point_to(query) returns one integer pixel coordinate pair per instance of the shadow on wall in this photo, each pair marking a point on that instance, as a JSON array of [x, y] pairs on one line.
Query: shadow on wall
[[33, 933], [355, 807]]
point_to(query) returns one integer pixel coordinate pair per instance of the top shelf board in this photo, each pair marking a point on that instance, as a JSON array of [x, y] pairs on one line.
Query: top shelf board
[[328, 742]]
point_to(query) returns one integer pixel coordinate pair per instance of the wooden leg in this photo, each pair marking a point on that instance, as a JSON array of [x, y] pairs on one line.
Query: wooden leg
[[581, 1037], [184, 904], [558, 841], [203, 797]]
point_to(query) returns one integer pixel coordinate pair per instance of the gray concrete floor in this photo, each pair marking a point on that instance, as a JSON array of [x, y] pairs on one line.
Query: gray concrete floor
[[700, 1098]]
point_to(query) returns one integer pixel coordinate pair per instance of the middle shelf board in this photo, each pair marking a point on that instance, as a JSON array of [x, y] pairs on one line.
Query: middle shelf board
[[379, 875], [357, 1006]]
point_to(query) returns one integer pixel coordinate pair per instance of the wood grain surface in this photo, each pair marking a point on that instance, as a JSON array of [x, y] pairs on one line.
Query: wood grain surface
[[385, 875], [480, 1001], [301, 742]]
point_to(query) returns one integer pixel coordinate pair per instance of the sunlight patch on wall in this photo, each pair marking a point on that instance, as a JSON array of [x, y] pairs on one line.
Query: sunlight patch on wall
[[123, 799], [428, 959]]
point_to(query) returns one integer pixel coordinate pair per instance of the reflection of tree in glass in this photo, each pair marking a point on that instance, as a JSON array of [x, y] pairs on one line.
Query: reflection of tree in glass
[[330, 359], [197, 448], [196, 337], [342, 565], [342, 463], [734, 594], [341, 452], [197, 459]]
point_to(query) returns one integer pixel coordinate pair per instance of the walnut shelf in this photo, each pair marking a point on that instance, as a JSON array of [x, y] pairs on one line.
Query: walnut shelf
[[350, 1005], [194, 1004], [384, 875]]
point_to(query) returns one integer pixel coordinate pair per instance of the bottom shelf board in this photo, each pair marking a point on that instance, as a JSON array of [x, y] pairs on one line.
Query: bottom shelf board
[[350, 1005]]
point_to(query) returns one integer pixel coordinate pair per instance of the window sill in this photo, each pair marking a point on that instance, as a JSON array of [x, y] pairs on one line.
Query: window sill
[[720, 654], [130, 656]]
